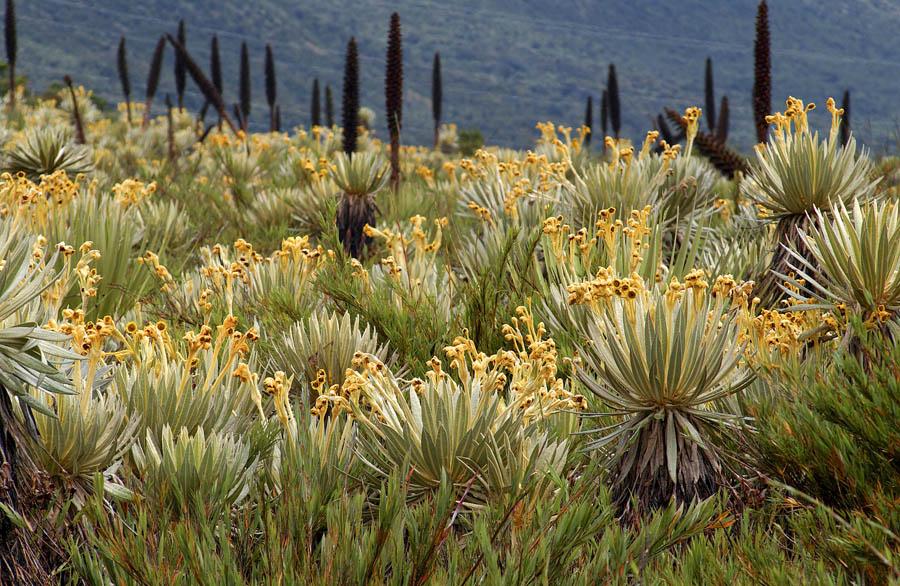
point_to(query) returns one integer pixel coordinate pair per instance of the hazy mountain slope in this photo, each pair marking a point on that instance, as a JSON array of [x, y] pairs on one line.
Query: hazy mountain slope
[[506, 65]]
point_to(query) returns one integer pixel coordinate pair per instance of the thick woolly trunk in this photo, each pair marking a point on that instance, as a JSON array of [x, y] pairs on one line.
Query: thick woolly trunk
[[353, 213], [8, 457], [787, 235], [9, 473], [26, 556], [642, 474]]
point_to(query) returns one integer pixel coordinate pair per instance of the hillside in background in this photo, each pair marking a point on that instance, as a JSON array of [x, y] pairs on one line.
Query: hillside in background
[[504, 67]]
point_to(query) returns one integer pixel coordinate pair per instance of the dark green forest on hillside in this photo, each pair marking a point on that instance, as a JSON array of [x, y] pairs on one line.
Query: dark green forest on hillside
[[506, 65]]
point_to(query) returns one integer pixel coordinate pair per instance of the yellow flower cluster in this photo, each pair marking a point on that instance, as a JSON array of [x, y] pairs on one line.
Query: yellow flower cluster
[[33, 204], [412, 260], [449, 169], [103, 339], [200, 340], [297, 250], [278, 387], [294, 265], [610, 236], [598, 291], [87, 337], [533, 366], [780, 337], [483, 213], [162, 273], [359, 384], [226, 140], [426, 174], [741, 293], [561, 137], [519, 189], [86, 274], [836, 115], [229, 349], [794, 118], [691, 118], [132, 192], [524, 376], [532, 175], [316, 171]]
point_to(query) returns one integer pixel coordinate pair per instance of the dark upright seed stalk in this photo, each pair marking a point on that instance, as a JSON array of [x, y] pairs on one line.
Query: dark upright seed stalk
[[215, 70], [329, 107], [153, 77], [238, 115], [315, 106], [762, 75], [76, 114], [271, 86], [615, 113], [11, 50], [393, 95], [722, 123], [122, 66], [437, 96], [710, 93], [845, 120], [206, 87], [180, 70], [205, 133], [604, 116], [277, 118], [664, 131], [350, 99], [170, 129], [245, 86], [215, 65], [589, 120]]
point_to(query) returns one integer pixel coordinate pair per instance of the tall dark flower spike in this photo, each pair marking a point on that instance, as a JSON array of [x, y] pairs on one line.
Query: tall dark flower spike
[[207, 88], [437, 96], [615, 112], [153, 78], [329, 107], [350, 98], [11, 49], [76, 113], [271, 86], [762, 73], [245, 87], [180, 69], [393, 94], [124, 80], [315, 106]]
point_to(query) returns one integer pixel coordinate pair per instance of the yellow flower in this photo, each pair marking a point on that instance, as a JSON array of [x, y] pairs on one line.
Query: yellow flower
[[243, 373]]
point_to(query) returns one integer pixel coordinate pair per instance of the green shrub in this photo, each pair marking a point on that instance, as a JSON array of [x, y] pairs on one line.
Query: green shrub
[[837, 438], [470, 140]]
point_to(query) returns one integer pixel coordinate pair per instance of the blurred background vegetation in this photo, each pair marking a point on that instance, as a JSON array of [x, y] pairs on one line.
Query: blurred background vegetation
[[506, 65]]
